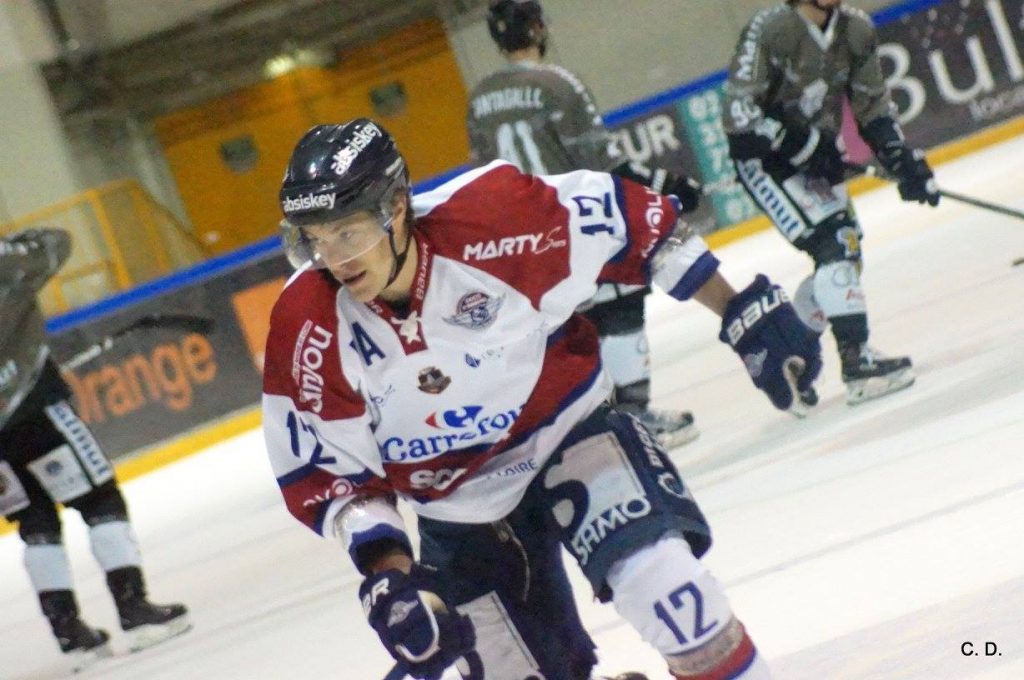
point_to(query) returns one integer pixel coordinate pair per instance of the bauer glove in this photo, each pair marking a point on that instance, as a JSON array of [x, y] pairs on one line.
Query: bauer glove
[[782, 355], [417, 628]]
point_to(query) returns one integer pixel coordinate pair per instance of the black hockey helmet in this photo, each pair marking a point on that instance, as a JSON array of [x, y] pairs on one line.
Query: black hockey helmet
[[516, 24], [815, 3], [335, 171]]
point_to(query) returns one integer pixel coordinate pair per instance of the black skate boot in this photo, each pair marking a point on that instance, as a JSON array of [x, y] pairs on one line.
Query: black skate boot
[[82, 645], [869, 375], [145, 623], [670, 428]]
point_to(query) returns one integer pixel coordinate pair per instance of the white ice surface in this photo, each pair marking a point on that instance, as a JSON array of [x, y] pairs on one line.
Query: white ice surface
[[864, 542]]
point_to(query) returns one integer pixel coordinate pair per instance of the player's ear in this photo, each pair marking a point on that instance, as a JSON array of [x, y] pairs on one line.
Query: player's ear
[[401, 210]]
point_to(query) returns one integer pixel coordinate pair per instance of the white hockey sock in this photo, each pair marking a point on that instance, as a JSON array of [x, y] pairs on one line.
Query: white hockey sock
[[47, 566], [114, 545], [626, 358], [680, 609]]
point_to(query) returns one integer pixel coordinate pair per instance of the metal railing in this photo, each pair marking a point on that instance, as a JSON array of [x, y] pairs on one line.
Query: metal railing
[[121, 237]]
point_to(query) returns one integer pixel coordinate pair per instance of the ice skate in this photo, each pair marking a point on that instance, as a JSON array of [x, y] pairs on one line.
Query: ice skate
[[869, 375], [147, 624], [144, 622], [670, 428], [81, 644]]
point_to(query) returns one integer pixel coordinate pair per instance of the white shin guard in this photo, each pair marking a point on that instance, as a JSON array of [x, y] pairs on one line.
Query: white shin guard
[[837, 289], [47, 566], [679, 608], [114, 545], [626, 358]]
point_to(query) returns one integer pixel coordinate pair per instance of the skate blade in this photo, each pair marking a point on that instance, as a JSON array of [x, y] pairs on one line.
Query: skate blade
[[677, 438], [83, 658], [152, 634], [860, 391]]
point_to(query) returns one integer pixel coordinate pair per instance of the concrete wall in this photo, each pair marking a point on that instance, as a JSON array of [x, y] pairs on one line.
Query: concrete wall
[[626, 50]]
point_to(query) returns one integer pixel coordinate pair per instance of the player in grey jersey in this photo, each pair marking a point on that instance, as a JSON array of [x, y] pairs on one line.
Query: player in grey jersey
[[543, 119], [794, 65], [49, 456]]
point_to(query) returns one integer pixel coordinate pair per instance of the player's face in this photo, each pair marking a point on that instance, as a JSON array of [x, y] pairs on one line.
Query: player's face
[[356, 251]]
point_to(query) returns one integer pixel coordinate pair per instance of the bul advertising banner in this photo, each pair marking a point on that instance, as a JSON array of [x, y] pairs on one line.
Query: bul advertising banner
[[953, 67]]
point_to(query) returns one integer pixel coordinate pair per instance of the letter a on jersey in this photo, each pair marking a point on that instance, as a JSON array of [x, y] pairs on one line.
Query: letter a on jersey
[[364, 344]]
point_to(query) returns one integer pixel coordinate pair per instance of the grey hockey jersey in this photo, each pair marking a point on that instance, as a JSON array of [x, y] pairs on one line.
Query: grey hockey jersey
[[788, 70], [540, 118], [27, 261]]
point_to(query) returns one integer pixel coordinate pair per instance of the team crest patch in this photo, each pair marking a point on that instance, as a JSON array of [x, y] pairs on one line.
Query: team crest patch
[[475, 310], [53, 468], [433, 381]]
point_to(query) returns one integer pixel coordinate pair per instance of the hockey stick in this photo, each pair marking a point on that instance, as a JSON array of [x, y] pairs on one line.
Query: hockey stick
[[875, 171], [184, 322]]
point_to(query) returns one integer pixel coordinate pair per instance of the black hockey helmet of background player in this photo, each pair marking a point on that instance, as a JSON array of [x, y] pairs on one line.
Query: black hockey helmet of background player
[[816, 3], [517, 24], [335, 171]]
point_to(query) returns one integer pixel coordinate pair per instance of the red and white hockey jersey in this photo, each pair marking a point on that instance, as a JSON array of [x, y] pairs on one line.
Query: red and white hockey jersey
[[456, 406]]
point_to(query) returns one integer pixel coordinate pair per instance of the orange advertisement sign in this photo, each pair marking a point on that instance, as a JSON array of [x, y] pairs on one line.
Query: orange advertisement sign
[[252, 308]]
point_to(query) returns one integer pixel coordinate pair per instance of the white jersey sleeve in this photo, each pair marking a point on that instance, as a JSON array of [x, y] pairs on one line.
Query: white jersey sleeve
[[316, 427]]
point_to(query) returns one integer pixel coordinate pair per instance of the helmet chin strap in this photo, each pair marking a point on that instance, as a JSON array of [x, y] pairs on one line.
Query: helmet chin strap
[[399, 262]]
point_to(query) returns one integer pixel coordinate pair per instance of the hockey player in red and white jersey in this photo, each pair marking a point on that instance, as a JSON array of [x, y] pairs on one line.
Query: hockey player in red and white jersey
[[428, 349]]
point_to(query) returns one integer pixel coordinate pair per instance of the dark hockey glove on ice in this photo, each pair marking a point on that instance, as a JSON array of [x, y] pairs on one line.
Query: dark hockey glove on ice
[[762, 327], [686, 189], [417, 628], [814, 153]]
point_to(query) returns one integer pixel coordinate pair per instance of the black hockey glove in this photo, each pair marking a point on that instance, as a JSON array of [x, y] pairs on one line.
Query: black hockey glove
[[908, 166], [782, 355], [916, 181], [813, 152], [686, 189], [417, 628]]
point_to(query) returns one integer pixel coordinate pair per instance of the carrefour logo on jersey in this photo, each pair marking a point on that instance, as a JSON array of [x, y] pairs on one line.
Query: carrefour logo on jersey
[[459, 426]]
